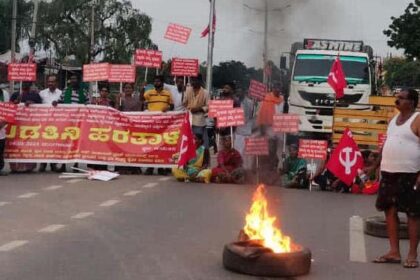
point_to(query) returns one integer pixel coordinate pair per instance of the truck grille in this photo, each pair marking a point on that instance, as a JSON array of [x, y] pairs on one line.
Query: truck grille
[[322, 99]]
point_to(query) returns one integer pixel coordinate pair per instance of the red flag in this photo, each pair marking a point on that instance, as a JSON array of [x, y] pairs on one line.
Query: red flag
[[346, 160], [187, 147], [207, 30], [337, 78]]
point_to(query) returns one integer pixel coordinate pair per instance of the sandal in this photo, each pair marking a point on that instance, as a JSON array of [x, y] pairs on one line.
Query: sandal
[[410, 263], [384, 259]]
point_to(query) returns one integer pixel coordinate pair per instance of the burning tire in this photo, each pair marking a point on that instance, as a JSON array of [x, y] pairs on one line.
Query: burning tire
[[376, 226], [259, 261]]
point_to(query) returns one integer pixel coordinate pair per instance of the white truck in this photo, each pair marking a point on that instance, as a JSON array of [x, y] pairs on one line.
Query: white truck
[[311, 97]]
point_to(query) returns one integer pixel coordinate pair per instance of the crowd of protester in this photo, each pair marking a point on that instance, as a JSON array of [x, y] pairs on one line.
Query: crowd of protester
[[230, 163]]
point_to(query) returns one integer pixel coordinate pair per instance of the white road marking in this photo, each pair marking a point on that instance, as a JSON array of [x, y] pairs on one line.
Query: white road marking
[[12, 245], [165, 179], [132, 193], [82, 215], [3, 203], [53, 188], [28, 195], [150, 185], [109, 203], [51, 228], [357, 240], [74, 181]]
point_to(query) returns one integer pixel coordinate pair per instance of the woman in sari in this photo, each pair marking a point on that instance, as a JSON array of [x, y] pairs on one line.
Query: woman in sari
[[295, 170], [229, 164], [194, 170]]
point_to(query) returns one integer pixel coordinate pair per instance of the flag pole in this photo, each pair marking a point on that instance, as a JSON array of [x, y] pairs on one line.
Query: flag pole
[[210, 47]]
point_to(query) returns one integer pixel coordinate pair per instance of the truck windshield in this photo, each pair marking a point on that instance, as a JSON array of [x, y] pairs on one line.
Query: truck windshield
[[316, 67]]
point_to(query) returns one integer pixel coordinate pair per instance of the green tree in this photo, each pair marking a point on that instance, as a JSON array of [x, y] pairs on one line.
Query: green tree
[[23, 21], [64, 26], [404, 31], [402, 72], [234, 71]]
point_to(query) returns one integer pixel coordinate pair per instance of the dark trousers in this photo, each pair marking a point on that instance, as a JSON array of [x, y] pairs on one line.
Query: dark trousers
[[2, 146]]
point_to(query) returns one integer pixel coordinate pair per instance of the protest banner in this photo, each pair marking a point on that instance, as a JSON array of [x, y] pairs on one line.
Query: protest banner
[[95, 72], [122, 73], [230, 118], [96, 135], [8, 112], [287, 123], [21, 72], [257, 146], [257, 90], [148, 58], [178, 33], [219, 105], [313, 149], [184, 67]]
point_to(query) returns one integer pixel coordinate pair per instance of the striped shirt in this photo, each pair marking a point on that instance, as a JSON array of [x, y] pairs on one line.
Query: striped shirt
[[158, 101]]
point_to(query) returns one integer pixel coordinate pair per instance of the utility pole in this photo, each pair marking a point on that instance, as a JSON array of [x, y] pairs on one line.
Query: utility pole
[[92, 33], [33, 31], [92, 46], [13, 41], [265, 51], [210, 47]]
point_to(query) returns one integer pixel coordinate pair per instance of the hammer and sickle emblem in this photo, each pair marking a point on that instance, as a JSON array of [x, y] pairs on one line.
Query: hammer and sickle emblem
[[348, 163]]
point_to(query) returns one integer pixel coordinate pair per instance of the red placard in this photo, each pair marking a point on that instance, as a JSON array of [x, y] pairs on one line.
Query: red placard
[[257, 90], [288, 123], [313, 149], [184, 67], [95, 72], [231, 117], [219, 105], [122, 73], [8, 112], [25, 72], [148, 58], [94, 134], [178, 33], [381, 140], [257, 146]]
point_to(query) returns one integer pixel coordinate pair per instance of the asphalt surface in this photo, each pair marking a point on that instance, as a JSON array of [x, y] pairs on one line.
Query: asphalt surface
[[139, 227]]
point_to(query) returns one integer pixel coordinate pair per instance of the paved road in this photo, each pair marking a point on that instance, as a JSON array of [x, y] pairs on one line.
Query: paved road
[[139, 227]]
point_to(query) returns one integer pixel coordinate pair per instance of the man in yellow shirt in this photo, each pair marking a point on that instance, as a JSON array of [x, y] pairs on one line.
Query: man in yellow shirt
[[158, 99]]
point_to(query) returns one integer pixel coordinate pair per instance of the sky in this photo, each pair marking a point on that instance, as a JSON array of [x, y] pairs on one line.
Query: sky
[[240, 25]]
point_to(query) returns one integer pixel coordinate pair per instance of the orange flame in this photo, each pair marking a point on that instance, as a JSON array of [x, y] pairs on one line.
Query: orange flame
[[260, 226]]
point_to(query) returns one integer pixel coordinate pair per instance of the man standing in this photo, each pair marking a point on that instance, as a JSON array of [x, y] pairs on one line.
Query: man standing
[[158, 100], [4, 97], [178, 92], [50, 96], [196, 101], [399, 189], [74, 94], [228, 93], [272, 104]]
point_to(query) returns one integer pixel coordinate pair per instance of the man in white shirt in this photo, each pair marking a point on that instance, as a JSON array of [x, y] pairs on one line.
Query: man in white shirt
[[50, 96], [4, 97], [177, 91]]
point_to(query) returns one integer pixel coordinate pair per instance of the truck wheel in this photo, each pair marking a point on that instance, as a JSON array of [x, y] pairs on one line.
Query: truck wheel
[[268, 264]]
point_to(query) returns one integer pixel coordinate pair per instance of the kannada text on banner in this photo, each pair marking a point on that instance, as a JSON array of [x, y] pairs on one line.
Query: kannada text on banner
[[257, 146], [94, 134], [313, 149]]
